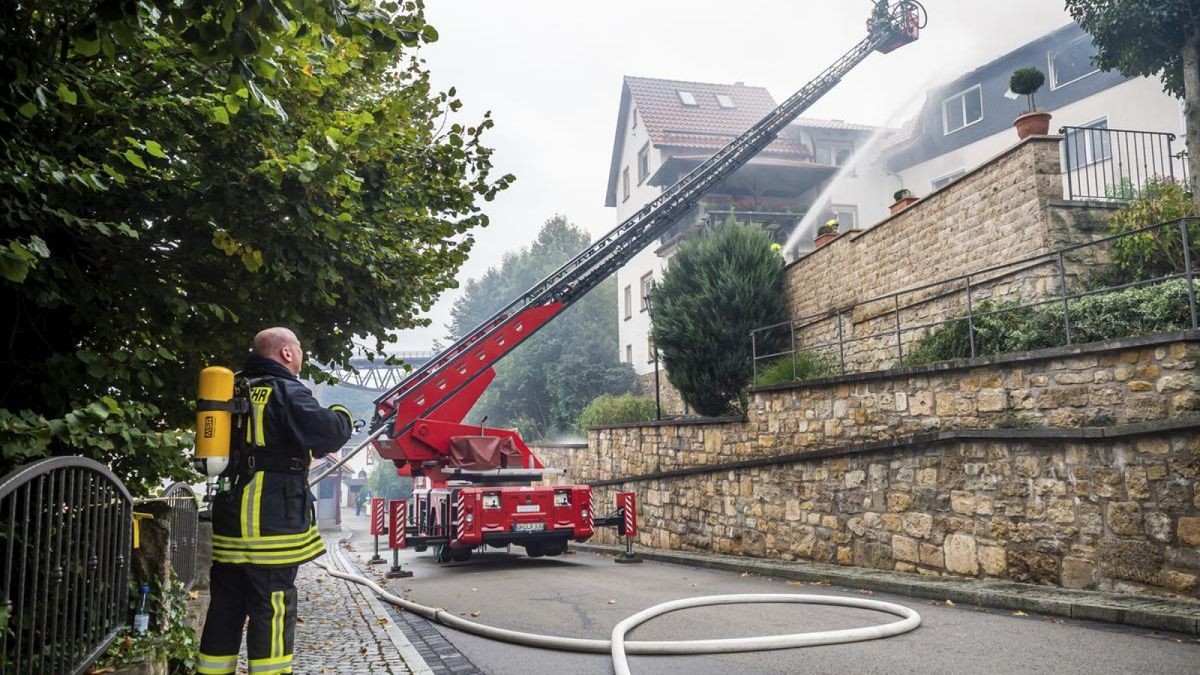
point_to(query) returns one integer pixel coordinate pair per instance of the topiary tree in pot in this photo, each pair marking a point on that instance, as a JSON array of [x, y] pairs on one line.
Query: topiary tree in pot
[[1026, 82]]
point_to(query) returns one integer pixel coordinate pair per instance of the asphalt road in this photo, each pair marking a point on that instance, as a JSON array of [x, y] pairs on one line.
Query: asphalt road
[[585, 595]]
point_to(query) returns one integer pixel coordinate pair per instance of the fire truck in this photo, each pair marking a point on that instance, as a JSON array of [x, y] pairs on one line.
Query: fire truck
[[478, 486]]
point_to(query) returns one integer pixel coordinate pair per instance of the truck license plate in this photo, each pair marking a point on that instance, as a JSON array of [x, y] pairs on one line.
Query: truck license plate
[[529, 527]]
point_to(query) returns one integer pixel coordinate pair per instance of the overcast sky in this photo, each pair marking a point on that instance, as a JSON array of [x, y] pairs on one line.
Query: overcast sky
[[550, 72]]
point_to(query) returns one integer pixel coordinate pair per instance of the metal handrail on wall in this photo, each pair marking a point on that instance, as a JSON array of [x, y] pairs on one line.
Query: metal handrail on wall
[[184, 531], [972, 288], [1101, 164], [66, 526]]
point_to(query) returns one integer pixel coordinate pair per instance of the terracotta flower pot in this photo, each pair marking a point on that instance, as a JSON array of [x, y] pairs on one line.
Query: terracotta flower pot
[[823, 239], [1032, 124], [902, 204]]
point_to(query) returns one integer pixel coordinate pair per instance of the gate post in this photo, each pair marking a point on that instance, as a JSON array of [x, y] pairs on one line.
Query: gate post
[[627, 503], [377, 528], [397, 534]]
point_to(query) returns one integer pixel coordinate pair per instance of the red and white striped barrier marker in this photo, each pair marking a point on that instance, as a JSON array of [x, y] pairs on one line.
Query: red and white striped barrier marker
[[377, 528], [397, 534], [627, 503], [460, 519], [397, 523]]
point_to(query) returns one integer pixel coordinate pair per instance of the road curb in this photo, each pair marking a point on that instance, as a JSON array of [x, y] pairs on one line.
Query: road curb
[[1153, 612]]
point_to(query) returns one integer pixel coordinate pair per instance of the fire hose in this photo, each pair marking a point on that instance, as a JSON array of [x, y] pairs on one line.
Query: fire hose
[[617, 647]]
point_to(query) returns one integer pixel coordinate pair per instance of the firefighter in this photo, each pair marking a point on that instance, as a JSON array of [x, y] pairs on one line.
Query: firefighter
[[264, 526]]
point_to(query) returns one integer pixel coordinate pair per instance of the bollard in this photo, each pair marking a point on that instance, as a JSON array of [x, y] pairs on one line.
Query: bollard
[[627, 503], [397, 533], [377, 528]]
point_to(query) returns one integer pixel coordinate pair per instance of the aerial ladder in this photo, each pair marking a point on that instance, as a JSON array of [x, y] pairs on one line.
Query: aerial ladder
[[475, 485]]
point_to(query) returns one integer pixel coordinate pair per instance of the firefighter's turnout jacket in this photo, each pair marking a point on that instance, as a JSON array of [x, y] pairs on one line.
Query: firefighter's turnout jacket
[[267, 518]]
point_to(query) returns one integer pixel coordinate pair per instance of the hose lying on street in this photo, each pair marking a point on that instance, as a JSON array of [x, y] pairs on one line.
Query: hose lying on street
[[618, 647]]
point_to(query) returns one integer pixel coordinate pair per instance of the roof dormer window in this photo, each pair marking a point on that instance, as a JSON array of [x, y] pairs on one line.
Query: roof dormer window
[[725, 101], [686, 98]]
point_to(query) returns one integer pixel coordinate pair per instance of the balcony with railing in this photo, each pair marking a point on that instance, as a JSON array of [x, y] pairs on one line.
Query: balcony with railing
[[1112, 165], [777, 216]]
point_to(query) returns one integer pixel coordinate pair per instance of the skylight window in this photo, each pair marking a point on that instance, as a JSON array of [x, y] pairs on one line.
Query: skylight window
[[686, 98], [725, 101]]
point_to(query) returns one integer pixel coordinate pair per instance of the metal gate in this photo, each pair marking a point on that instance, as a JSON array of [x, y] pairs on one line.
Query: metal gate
[[65, 528]]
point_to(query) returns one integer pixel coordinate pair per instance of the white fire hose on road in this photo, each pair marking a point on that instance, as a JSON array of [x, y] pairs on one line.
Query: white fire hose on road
[[618, 647]]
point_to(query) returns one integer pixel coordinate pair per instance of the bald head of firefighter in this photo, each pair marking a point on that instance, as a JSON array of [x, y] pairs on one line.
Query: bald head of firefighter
[[264, 523], [280, 345]]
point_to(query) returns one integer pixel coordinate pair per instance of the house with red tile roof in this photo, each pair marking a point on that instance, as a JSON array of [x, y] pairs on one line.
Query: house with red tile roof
[[667, 127]]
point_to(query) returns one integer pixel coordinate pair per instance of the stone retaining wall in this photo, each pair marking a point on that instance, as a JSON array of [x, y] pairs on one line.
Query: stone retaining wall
[[1115, 512], [1009, 208]]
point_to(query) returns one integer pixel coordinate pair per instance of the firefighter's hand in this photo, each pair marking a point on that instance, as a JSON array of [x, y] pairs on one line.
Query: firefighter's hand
[[339, 408]]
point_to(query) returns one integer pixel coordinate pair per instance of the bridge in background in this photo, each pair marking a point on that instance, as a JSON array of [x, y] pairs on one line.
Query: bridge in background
[[377, 375]]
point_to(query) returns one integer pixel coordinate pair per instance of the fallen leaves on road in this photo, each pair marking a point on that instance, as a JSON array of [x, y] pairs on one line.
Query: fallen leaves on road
[[866, 591], [1052, 619], [1017, 612], [475, 613], [381, 621], [949, 602], [744, 574], [612, 601]]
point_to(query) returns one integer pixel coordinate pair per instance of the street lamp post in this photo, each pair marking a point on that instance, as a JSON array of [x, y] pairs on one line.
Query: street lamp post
[[654, 352]]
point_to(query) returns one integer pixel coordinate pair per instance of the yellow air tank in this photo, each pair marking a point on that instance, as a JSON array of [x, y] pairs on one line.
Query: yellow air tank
[[213, 424]]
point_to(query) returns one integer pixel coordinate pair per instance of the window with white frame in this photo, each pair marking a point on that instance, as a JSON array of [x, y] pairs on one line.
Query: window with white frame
[[625, 184], [725, 101], [649, 349], [647, 284], [1087, 145], [942, 181], [962, 109], [687, 98], [1072, 63], [643, 162], [834, 153], [628, 353], [846, 215], [628, 302]]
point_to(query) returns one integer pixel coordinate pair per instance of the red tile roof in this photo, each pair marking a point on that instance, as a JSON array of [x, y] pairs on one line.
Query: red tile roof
[[706, 125]]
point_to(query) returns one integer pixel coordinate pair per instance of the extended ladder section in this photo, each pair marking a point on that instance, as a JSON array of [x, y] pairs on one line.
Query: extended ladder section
[[447, 386]]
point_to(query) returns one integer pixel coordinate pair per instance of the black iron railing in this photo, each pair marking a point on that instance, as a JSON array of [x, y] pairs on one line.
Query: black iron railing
[[66, 524], [185, 521], [1113, 164], [878, 333]]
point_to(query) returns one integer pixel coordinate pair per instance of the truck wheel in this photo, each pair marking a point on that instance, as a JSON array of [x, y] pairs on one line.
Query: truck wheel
[[444, 553], [555, 548], [461, 554], [535, 550]]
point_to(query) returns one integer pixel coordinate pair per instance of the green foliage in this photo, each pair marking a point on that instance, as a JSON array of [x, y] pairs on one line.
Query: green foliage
[[795, 368], [385, 483], [622, 409], [1026, 81], [177, 176], [1140, 38], [1003, 328], [541, 387], [170, 636], [1156, 252], [903, 193], [718, 288]]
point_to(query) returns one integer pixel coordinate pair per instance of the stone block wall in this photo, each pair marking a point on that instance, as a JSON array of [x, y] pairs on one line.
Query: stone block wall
[[1008, 209], [1077, 467]]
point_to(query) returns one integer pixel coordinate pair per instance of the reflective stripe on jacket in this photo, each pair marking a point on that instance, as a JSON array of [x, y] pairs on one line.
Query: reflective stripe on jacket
[[268, 518]]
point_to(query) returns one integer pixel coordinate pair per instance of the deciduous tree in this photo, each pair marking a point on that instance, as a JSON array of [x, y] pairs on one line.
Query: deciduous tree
[[178, 175]]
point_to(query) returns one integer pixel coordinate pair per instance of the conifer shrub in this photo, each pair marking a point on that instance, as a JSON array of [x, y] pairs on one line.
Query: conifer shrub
[[716, 290], [808, 366]]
